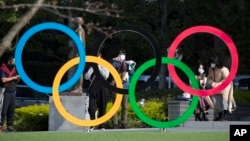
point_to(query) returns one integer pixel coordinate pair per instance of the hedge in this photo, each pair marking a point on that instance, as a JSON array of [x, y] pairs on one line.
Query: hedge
[[35, 118]]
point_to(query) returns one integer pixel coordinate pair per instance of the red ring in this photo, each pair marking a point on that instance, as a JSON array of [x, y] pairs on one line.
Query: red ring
[[225, 38]]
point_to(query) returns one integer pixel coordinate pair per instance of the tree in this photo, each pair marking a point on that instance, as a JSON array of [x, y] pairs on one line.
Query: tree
[[9, 37], [96, 8], [47, 10]]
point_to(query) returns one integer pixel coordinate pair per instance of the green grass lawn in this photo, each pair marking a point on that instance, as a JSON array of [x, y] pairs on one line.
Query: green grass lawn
[[115, 136]]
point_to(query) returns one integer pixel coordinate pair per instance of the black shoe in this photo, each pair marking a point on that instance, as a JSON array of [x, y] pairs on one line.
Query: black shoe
[[204, 116], [225, 115], [220, 117], [198, 117], [10, 129]]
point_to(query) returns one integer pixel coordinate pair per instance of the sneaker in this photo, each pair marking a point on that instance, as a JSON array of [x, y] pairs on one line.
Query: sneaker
[[10, 129], [91, 128], [1, 129]]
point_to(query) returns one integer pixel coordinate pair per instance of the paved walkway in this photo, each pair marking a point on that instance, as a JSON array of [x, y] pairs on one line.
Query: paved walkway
[[190, 126]]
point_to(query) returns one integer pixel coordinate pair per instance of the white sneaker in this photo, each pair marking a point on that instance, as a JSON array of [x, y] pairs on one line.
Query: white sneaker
[[103, 129], [91, 128]]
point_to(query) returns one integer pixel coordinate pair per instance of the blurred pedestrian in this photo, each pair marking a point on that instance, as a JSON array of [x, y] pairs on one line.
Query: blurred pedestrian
[[125, 69], [9, 79], [223, 101], [97, 93], [205, 102]]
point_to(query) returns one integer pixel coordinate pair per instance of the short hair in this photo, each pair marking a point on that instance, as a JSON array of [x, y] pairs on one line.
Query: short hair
[[216, 60], [122, 51], [7, 57]]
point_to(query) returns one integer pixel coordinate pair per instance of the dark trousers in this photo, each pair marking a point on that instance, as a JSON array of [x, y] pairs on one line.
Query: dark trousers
[[8, 110], [97, 101]]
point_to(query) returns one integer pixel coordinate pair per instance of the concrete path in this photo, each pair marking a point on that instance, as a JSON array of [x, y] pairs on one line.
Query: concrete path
[[189, 126]]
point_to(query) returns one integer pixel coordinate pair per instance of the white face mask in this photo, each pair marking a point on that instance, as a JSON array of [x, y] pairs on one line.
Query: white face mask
[[212, 65], [122, 57], [201, 71]]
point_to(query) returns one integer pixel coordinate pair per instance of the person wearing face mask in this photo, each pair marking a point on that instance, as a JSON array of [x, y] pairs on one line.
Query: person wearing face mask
[[125, 69], [205, 102], [9, 79], [224, 100]]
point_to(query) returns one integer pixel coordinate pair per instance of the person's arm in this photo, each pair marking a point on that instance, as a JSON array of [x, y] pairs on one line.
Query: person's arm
[[203, 82], [210, 79], [104, 72], [5, 79], [17, 78], [115, 63], [225, 73], [88, 74]]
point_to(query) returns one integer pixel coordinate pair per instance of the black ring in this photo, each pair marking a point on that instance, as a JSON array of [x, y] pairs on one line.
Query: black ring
[[154, 44]]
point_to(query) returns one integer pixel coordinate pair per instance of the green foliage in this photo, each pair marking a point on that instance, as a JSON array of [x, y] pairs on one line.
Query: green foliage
[[32, 118], [12, 18], [35, 118], [159, 94], [156, 110]]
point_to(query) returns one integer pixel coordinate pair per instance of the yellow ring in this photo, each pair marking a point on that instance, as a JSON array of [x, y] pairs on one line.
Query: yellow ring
[[70, 117]]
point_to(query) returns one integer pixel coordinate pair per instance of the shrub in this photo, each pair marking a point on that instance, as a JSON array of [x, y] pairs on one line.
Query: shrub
[[32, 118], [35, 118], [156, 110]]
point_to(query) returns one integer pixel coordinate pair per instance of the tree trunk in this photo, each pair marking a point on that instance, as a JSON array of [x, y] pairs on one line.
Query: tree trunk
[[162, 74], [9, 37]]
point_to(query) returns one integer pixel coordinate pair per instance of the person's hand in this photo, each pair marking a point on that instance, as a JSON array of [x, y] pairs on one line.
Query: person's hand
[[116, 59], [203, 85], [215, 84], [16, 77]]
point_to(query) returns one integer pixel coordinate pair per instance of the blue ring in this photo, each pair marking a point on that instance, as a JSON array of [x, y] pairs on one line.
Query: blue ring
[[31, 32]]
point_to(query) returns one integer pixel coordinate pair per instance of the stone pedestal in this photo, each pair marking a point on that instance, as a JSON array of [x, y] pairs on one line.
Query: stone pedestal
[[75, 104], [177, 107]]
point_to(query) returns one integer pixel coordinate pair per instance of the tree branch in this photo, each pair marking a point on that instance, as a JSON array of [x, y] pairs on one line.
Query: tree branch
[[93, 8], [9, 37]]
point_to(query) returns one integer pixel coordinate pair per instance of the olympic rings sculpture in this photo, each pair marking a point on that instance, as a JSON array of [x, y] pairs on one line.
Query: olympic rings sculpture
[[82, 59]]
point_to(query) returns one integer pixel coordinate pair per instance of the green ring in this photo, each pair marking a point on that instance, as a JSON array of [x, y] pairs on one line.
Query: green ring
[[163, 124]]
